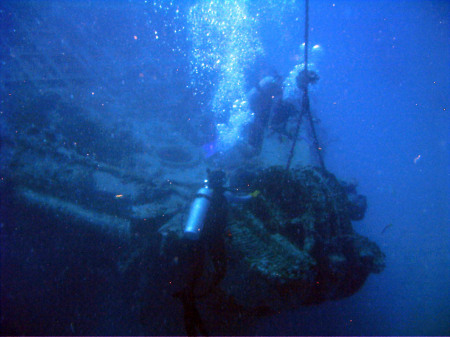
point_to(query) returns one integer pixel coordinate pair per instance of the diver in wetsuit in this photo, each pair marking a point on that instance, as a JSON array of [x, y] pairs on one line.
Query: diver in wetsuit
[[204, 232], [272, 103], [262, 99], [289, 105]]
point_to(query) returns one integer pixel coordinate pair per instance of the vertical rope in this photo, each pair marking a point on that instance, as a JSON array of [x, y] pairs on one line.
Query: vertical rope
[[305, 98], [305, 105], [305, 102], [306, 34]]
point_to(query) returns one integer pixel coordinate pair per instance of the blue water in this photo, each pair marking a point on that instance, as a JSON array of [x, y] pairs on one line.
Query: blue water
[[382, 99], [385, 94]]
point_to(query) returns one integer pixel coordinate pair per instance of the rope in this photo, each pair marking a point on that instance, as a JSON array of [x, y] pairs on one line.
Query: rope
[[305, 110], [306, 35]]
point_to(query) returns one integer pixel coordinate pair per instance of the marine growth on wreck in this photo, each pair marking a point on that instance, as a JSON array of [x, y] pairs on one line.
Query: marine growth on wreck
[[292, 245], [118, 200]]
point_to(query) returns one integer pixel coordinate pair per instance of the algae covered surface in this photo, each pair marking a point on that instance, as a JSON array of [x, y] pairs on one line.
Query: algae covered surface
[[294, 243]]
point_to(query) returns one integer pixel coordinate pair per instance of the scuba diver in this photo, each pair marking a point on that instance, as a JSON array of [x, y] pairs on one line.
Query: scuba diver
[[273, 102], [262, 99], [204, 234], [282, 112]]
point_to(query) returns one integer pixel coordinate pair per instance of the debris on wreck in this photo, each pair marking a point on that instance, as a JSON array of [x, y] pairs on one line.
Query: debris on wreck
[[293, 245], [57, 159]]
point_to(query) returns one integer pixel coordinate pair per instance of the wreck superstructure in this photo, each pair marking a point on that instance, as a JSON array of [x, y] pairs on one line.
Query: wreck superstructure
[[95, 180]]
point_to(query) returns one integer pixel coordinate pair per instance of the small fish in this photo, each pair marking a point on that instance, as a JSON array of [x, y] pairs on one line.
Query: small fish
[[386, 228]]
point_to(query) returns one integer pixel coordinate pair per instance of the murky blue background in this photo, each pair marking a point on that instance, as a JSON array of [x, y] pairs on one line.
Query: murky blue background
[[382, 100]]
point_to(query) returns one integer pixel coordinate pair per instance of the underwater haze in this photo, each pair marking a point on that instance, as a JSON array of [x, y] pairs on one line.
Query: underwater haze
[[158, 91]]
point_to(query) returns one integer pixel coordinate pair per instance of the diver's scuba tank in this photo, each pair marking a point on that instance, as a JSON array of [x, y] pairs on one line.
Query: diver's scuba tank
[[197, 214], [200, 206]]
